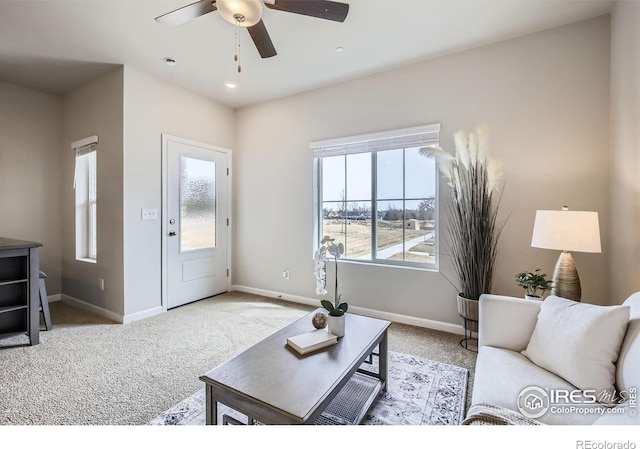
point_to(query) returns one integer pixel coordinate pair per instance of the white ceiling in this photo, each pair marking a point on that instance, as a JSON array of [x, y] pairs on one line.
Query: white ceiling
[[54, 45]]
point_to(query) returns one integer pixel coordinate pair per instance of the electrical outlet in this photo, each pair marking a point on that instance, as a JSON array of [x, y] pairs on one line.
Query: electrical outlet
[[285, 274], [101, 284]]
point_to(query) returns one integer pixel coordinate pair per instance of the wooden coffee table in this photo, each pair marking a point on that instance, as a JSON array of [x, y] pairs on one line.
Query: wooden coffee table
[[270, 383]]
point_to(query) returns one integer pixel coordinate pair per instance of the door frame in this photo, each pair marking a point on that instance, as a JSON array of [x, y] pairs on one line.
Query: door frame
[[166, 138]]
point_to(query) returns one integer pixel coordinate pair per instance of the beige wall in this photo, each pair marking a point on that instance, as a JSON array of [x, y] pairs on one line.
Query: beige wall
[[625, 150], [545, 99], [95, 109], [30, 135], [153, 107], [129, 111]]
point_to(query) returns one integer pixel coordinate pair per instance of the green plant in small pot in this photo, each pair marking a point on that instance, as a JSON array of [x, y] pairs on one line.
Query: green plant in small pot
[[337, 309], [535, 284]]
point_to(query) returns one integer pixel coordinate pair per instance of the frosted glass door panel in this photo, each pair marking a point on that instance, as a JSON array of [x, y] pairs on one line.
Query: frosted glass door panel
[[197, 204]]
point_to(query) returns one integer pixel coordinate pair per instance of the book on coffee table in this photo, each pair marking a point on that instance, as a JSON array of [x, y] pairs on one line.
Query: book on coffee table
[[312, 341]]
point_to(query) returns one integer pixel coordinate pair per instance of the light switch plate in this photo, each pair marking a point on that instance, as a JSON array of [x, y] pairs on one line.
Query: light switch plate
[[149, 214]]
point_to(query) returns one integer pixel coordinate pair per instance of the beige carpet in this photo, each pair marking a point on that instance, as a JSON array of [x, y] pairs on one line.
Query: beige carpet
[[88, 370]]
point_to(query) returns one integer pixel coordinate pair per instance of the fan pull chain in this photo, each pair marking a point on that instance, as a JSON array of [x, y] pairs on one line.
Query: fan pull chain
[[237, 55]]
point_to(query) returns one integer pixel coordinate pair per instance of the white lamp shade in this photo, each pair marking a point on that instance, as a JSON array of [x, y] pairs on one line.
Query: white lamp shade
[[250, 9], [567, 230]]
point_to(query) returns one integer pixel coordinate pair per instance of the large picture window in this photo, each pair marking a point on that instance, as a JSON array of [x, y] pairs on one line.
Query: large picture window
[[377, 195]]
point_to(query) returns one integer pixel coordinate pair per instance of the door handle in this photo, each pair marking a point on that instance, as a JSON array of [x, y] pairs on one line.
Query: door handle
[[172, 233]]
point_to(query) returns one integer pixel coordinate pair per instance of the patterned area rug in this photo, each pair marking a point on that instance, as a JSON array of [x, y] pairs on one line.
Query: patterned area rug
[[419, 392]]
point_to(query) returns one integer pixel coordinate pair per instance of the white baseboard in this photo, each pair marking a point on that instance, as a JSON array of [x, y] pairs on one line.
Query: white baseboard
[[75, 302], [54, 298], [141, 315], [395, 317], [108, 313]]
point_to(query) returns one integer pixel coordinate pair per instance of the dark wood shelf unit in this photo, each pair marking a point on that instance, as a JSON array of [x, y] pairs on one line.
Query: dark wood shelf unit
[[19, 289], [17, 281], [12, 308]]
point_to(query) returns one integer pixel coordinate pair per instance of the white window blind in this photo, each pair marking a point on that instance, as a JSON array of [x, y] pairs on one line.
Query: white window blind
[[418, 136], [82, 147]]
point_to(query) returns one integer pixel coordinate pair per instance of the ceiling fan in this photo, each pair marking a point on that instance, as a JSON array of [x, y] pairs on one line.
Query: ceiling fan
[[248, 14]]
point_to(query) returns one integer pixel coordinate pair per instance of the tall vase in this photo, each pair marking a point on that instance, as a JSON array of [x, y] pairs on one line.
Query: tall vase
[[469, 310], [336, 325]]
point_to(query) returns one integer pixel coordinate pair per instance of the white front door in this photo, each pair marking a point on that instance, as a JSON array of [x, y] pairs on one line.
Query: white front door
[[196, 218]]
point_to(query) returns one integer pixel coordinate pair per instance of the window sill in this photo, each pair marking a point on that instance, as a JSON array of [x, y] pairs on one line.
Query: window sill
[[86, 260], [433, 269]]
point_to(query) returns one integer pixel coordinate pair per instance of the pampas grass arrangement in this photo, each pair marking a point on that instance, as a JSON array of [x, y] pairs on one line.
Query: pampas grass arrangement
[[473, 228]]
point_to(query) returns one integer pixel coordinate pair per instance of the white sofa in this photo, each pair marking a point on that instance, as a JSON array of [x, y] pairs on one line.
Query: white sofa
[[503, 372]]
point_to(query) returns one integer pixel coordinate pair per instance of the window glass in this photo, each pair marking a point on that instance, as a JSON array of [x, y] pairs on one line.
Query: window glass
[[419, 231], [333, 178], [390, 232], [86, 193], [390, 174], [92, 236], [197, 204], [420, 175], [359, 177], [379, 199]]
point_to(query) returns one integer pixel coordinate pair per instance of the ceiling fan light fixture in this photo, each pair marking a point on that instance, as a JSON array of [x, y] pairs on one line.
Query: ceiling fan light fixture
[[244, 13], [248, 14]]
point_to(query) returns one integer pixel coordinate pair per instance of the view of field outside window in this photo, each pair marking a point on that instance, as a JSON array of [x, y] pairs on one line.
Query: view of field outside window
[[197, 204], [405, 200]]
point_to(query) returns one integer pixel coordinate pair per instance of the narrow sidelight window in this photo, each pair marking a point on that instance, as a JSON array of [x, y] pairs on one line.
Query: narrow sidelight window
[[86, 193]]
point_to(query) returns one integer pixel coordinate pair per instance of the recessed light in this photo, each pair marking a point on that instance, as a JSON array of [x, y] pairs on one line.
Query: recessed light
[[339, 49], [231, 85], [169, 61]]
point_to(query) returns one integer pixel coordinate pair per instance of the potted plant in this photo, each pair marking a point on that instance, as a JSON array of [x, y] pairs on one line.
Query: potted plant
[[473, 229], [337, 309], [535, 284]]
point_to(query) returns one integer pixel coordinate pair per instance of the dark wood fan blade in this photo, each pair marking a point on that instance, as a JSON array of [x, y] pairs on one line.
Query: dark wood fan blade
[[262, 40], [315, 8], [187, 13]]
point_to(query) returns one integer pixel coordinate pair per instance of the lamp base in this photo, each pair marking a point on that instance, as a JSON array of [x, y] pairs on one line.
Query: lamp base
[[566, 282]]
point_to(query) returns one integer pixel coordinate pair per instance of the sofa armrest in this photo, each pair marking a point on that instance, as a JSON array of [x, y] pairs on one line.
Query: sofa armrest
[[507, 322]]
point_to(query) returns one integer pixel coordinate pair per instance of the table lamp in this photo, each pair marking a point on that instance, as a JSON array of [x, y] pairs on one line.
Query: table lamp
[[566, 231]]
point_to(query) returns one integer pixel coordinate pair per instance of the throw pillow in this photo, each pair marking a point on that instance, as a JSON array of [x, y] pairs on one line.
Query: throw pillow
[[579, 342]]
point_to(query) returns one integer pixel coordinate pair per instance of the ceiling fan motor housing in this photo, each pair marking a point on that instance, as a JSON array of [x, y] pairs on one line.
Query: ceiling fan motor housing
[[243, 13]]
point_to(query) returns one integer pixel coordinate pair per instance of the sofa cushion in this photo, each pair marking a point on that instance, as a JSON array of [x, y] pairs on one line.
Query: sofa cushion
[[628, 374], [580, 343], [501, 375]]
